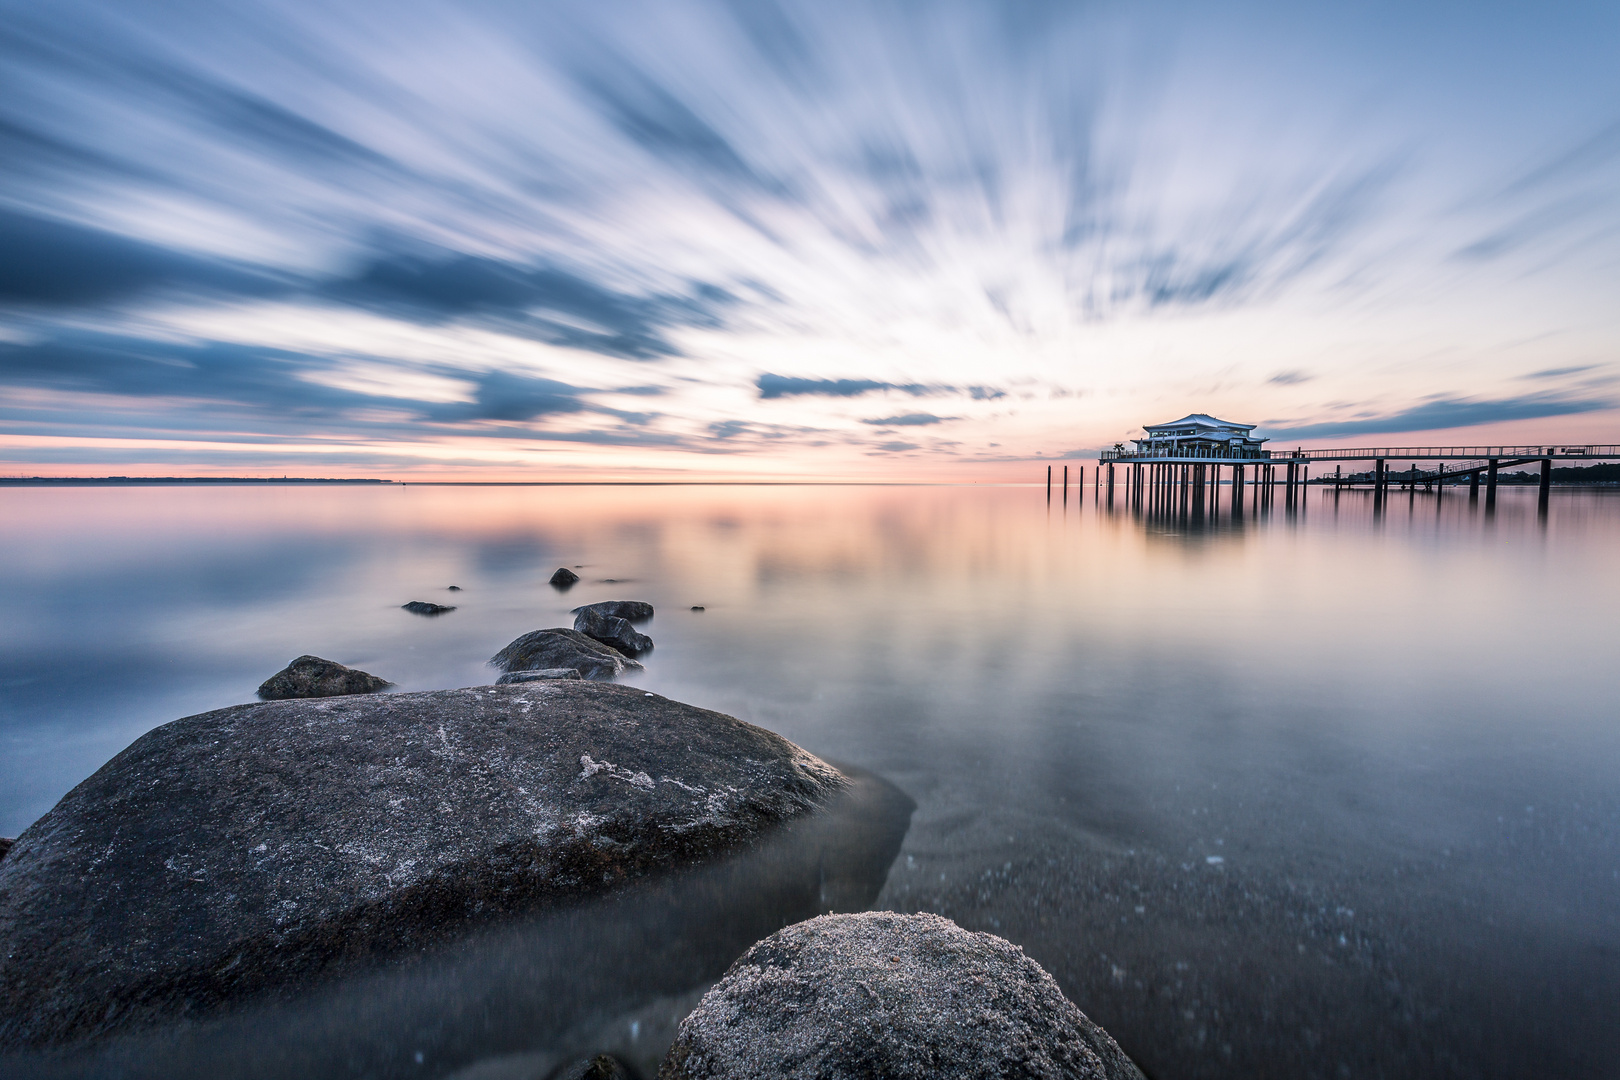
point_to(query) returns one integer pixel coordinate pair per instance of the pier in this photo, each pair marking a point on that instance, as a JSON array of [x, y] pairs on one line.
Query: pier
[[1180, 466]]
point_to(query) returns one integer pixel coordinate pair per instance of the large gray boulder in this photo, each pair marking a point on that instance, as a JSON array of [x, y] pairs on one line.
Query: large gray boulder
[[904, 997], [633, 610], [612, 630], [561, 647], [310, 676], [269, 845]]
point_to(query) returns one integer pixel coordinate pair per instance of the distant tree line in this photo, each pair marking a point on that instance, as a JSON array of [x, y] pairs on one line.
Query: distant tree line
[[1607, 473]]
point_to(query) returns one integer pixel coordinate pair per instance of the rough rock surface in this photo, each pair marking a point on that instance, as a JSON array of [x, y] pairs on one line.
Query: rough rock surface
[[422, 607], [614, 631], [896, 996], [560, 647], [540, 675], [265, 845], [5, 844], [633, 610], [310, 676], [564, 577]]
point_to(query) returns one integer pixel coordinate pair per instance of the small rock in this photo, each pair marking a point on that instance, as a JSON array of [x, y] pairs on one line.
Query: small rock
[[538, 675], [564, 577], [905, 997], [453, 588], [613, 631], [560, 647], [310, 676], [422, 607], [697, 607], [631, 610]]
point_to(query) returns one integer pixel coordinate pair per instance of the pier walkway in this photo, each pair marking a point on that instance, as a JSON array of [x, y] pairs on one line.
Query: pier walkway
[[1197, 466], [1182, 475]]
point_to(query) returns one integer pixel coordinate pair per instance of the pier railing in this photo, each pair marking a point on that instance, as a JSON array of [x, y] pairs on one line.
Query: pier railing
[[1591, 451]]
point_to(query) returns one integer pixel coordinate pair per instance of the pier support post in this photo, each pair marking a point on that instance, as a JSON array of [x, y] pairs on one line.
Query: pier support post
[[1379, 476], [1049, 483], [1546, 479], [1490, 482]]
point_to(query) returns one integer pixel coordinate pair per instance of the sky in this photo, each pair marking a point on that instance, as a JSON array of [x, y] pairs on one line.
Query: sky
[[747, 240]]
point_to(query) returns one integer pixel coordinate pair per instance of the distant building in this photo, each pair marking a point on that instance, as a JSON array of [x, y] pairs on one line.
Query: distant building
[[1200, 436]]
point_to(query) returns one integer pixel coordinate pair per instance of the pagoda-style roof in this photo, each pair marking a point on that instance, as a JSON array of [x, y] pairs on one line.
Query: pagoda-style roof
[[1200, 420]]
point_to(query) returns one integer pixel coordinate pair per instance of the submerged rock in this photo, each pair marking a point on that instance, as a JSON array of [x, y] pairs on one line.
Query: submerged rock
[[560, 647], [422, 607], [600, 1067], [539, 675], [632, 610], [310, 676], [564, 577], [264, 846], [905, 997], [614, 631]]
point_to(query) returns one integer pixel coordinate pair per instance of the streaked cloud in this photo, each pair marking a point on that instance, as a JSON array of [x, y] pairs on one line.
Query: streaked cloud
[[1444, 413], [916, 419], [491, 234], [780, 386]]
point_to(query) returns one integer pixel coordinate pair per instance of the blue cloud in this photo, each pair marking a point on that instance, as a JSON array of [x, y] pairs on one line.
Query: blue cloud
[[779, 386], [1441, 413], [916, 419], [276, 393], [53, 262], [555, 305]]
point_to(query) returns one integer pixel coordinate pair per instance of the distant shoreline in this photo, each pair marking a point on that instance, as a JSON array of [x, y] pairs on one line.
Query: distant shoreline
[[131, 481]]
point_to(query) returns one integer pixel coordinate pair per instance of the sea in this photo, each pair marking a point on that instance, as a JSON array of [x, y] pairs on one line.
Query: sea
[[1321, 787]]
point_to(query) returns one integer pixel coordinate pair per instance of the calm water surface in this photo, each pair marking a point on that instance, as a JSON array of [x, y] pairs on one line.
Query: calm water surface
[[1326, 792]]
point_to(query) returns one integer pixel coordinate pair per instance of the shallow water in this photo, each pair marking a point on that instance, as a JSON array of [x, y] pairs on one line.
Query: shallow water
[[1322, 792]]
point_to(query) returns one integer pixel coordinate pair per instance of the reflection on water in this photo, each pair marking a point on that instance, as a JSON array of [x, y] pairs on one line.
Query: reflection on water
[[1316, 789]]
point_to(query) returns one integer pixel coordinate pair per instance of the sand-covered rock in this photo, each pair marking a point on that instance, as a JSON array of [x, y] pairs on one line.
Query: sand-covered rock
[[269, 845], [311, 676], [560, 647], [904, 997]]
